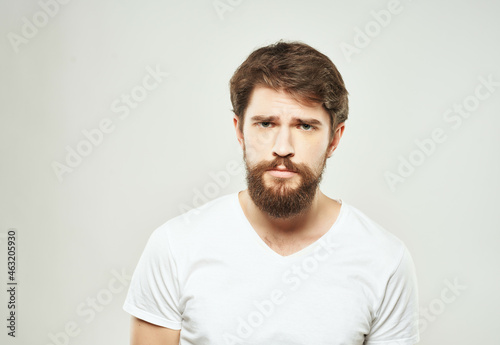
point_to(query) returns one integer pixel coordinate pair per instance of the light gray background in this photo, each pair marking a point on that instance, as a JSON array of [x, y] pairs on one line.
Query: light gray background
[[75, 235]]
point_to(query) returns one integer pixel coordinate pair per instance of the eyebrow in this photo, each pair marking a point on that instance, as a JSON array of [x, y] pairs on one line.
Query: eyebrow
[[269, 118]]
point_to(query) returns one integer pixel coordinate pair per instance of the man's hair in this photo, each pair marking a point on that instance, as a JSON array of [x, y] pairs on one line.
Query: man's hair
[[307, 75]]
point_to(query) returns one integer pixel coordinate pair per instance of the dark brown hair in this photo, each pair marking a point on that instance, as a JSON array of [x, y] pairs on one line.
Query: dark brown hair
[[303, 72]]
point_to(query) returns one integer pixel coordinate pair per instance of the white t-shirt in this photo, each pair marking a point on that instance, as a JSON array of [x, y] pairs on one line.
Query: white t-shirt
[[208, 273]]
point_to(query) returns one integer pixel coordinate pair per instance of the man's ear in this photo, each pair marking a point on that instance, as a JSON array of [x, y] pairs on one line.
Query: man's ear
[[339, 131], [239, 134]]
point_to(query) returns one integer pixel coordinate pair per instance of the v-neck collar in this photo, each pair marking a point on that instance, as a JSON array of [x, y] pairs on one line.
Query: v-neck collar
[[249, 228]]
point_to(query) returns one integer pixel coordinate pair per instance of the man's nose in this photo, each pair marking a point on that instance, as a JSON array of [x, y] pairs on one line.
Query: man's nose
[[283, 145]]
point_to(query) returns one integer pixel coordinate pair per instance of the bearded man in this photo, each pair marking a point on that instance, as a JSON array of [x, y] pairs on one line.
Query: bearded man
[[279, 263]]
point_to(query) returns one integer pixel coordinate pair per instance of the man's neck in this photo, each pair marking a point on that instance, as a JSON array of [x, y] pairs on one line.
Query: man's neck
[[302, 225]]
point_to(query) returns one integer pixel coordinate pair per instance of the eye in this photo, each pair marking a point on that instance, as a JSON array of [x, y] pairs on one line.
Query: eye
[[308, 127], [263, 124]]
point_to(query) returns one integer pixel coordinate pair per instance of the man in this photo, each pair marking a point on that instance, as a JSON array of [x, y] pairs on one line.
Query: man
[[279, 263]]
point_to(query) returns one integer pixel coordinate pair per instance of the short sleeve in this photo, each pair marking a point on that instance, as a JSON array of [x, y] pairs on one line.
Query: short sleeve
[[396, 321], [153, 294]]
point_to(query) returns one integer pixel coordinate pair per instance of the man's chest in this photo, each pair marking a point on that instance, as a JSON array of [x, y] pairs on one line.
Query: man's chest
[[286, 305]]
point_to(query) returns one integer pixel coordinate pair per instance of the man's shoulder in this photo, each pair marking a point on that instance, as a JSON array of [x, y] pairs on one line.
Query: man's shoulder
[[210, 215], [369, 235]]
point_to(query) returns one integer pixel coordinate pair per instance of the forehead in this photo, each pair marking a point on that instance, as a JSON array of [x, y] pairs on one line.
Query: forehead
[[267, 101]]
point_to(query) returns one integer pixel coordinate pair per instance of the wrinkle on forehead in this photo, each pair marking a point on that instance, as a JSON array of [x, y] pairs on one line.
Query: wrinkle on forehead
[[272, 102]]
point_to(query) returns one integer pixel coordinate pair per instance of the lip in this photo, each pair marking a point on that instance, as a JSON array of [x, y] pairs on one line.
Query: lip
[[281, 173]]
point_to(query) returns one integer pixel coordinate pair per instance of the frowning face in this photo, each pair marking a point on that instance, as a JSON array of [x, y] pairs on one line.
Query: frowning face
[[285, 146]]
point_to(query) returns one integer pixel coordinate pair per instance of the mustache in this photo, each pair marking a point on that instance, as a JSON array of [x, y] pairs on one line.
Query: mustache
[[282, 161]]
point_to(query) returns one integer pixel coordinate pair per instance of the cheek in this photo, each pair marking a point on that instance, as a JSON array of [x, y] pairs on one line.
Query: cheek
[[312, 148], [314, 154], [257, 145], [251, 151]]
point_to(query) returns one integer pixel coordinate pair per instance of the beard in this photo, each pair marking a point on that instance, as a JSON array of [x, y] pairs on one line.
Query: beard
[[282, 199]]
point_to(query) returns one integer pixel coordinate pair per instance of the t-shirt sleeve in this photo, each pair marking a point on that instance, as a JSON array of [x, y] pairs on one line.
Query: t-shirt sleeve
[[396, 320], [153, 294]]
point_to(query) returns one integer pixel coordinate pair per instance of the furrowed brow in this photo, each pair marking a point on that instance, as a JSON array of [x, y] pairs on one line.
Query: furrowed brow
[[309, 121], [270, 118], [264, 118]]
